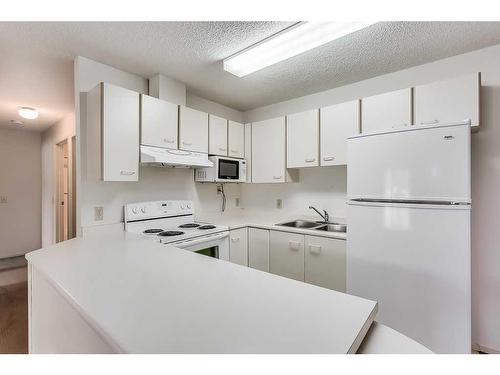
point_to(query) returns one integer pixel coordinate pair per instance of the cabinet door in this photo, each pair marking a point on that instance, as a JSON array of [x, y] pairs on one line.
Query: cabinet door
[[325, 262], [236, 139], [268, 151], [386, 111], [287, 254], [447, 101], [337, 122], [248, 151], [238, 246], [159, 122], [217, 138], [302, 139], [258, 249], [193, 130], [120, 133]]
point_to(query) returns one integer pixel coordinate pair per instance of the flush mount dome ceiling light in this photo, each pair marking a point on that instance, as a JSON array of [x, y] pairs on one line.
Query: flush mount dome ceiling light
[[290, 42], [28, 113]]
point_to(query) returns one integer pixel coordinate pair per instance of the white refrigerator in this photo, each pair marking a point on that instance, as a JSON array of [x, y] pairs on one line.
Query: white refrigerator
[[408, 243]]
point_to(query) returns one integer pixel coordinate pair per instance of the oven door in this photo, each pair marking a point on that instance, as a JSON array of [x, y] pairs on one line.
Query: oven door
[[215, 245], [228, 170]]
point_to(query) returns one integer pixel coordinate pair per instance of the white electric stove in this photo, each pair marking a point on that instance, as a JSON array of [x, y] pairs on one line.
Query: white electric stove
[[172, 222]]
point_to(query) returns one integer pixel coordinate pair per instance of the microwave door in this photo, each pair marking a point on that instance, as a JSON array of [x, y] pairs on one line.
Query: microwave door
[[228, 169]]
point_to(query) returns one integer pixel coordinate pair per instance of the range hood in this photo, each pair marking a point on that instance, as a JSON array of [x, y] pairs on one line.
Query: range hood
[[162, 157]]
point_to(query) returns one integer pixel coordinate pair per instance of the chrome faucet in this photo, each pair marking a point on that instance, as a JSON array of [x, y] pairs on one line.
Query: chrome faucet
[[325, 216]]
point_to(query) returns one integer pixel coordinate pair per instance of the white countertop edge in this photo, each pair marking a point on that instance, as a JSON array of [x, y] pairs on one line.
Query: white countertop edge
[[364, 330], [101, 332]]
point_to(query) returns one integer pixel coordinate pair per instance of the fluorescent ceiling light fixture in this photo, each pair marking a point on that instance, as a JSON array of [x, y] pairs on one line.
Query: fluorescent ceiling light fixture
[[290, 42], [27, 112]]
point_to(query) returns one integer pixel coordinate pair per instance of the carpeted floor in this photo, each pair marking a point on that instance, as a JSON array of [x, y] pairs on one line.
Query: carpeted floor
[[14, 318]]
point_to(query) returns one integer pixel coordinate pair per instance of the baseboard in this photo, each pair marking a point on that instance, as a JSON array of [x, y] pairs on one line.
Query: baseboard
[[484, 349], [13, 276]]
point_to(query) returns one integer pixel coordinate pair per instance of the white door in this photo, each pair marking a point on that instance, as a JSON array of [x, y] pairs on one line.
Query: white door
[[248, 151], [337, 122], [193, 130], [258, 249], [325, 262], [415, 261], [120, 133], [236, 139], [238, 246], [386, 111], [268, 151], [449, 101], [159, 122], [217, 135], [286, 254], [302, 139], [421, 163]]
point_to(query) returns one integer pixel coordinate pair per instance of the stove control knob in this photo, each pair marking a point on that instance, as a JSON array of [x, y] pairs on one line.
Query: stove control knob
[[143, 210], [134, 210], [189, 206], [182, 206]]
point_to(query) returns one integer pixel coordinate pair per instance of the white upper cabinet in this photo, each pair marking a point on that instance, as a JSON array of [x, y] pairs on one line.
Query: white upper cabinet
[[159, 122], [193, 130], [325, 262], [302, 139], [217, 135], [113, 117], [337, 122], [248, 151], [386, 111], [236, 139], [286, 254], [447, 101], [268, 151]]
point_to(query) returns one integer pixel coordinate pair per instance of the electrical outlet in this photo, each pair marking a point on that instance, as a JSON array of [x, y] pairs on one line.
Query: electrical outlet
[[237, 202], [279, 203], [3, 199], [99, 213]]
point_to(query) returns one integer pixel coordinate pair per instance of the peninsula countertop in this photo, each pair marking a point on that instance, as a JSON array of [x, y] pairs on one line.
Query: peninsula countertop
[[145, 297]]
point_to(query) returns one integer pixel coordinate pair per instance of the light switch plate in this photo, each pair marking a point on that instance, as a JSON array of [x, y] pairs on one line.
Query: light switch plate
[[279, 203], [99, 213], [3, 199]]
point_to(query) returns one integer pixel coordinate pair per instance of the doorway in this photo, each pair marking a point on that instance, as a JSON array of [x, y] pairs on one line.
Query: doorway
[[66, 190]]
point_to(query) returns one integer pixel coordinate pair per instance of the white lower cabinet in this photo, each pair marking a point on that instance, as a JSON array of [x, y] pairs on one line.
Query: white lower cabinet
[[238, 246], [258, 249], [325, 262], [286, 254]]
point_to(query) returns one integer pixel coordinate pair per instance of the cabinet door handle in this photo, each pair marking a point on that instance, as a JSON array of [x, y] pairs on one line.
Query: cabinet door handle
[[187, 143], [127, 173], [234, 151], [277, 177], [168, 140], [234, 239], [328, 158], [315, 249], [222, 149], [310, 160], [429, 122], [294, 245]]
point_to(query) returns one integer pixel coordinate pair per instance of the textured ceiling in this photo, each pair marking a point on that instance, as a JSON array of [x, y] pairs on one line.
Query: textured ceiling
[[36, 64]]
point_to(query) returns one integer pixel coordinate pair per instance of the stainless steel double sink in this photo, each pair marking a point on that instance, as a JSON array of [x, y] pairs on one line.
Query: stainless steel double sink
[[316, 225]]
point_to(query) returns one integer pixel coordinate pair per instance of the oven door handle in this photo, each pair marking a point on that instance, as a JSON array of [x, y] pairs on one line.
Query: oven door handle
[[201, 240]]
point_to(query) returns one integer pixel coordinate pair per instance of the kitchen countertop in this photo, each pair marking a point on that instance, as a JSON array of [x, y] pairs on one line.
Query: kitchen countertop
[[145, 297], [236, 219]]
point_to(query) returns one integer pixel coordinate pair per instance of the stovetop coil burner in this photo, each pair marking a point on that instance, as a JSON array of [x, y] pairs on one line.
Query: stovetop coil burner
[[189, 225], [153, 231], [169, 233], [204, 227]]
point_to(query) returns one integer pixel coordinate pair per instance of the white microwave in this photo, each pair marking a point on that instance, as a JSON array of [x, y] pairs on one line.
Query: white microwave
[[224, 170]]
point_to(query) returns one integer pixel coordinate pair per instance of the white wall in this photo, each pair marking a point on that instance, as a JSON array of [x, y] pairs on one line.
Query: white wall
[[57, 133], [154, 183], [202, 104], [485, 169], [20, 181]]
